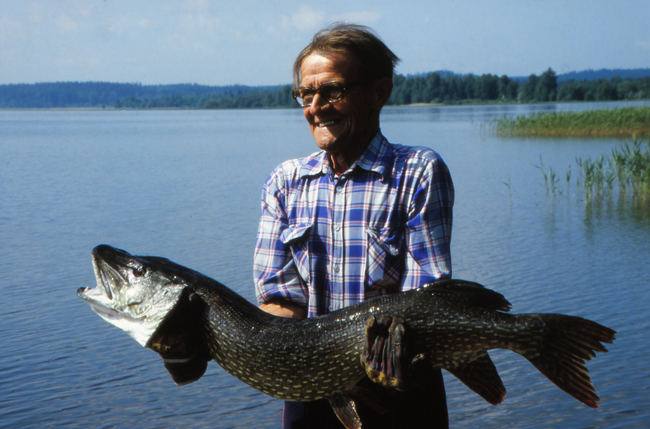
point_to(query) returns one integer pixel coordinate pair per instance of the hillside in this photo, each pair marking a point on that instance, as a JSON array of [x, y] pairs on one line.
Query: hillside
[[589, 75]]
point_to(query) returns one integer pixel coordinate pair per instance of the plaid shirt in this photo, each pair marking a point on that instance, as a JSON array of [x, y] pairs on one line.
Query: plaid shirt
[[328, 242]]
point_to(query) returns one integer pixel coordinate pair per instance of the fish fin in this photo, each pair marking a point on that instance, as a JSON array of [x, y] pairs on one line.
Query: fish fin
[[384, 354], [345, 409], [482, 377], [183, 373], [569, 341], [471, 293], [178, 340], [371, 397]]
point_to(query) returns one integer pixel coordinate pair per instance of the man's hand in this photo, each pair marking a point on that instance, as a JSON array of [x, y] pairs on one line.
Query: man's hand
[[385, 355], [284, 308]]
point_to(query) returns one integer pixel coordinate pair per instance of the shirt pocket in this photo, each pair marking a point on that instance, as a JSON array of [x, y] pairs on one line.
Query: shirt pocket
[[297, 238], [384, 261]]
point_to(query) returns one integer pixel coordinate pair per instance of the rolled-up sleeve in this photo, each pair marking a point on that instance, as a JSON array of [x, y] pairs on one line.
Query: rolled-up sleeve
[[274, 270]]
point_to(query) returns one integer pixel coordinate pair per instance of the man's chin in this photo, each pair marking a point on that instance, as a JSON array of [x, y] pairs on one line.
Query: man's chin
[[326, 140], [330, 146]]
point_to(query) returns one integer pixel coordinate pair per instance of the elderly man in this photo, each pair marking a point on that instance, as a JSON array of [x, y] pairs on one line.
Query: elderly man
[[359, 219]]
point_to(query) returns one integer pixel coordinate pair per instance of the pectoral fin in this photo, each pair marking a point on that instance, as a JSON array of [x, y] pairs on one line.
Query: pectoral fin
[[345, 409], [179, 340], [482, 377], [384, 354], [188, 371]]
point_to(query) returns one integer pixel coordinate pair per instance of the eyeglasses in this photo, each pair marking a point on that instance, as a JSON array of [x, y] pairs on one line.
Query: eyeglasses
[[330, 91]]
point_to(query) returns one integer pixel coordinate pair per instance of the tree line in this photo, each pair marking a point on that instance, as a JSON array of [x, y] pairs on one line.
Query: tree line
[[108, 94], [436, 87], [453, 89], [250, 99]]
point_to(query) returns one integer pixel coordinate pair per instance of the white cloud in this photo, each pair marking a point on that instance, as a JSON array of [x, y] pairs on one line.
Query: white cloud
[[199, 5], [9, 30], [196, 22], [66, 24], [360, 17], [305, 19], [65, 62], [644, 45], [145, 23], [309, 19]]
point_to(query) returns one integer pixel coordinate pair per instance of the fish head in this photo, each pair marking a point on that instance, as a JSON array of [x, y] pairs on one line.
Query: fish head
[[134, 293]]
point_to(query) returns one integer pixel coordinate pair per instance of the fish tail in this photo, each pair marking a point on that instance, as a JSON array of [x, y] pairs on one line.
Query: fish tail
[[568, 342]]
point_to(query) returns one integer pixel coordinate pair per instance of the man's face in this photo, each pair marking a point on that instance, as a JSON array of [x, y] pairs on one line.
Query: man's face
[[345, 126]]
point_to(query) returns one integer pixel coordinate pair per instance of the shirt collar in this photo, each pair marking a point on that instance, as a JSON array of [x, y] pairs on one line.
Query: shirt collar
[[315, 165], [376, 158]]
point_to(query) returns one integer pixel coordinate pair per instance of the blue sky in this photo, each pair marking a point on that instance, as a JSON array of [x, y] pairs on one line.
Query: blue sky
[[254, 42]]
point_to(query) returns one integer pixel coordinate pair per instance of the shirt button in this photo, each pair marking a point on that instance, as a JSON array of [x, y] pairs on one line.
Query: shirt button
[[339, 189], [337, 268], [337, 228]]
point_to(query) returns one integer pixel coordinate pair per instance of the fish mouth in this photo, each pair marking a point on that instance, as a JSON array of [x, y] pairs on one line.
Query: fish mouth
[[111, 266], [107, 265]]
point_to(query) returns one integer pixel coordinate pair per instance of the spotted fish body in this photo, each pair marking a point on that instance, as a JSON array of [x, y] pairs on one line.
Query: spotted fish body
[[451, 323], [454, 324]]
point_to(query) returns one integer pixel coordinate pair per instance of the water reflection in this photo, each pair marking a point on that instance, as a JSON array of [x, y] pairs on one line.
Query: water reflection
[[624, 209]]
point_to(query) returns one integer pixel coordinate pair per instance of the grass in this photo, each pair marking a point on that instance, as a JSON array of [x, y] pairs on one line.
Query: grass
[[550, 179], [627, 121], [628, 167], [626, 170]]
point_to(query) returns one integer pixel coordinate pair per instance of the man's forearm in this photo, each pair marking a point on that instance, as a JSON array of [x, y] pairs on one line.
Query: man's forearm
[[285, 308]]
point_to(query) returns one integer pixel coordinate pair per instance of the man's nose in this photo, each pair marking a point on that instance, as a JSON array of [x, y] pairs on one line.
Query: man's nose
[[317, 103]]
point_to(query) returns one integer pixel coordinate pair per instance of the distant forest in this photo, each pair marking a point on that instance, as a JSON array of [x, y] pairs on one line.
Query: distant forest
[[435, 87]]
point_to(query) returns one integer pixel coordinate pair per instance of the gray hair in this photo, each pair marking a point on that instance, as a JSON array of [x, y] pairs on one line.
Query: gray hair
[[373, 56]]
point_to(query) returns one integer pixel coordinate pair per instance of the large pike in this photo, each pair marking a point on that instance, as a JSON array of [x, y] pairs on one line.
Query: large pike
[[190, 319]]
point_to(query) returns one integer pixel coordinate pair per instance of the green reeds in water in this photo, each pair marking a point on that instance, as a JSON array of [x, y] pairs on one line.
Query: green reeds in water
[[627, 121], [628, 169], [550, 179]]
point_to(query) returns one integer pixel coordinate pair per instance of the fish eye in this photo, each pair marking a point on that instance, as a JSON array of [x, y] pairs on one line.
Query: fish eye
[[139, 271]]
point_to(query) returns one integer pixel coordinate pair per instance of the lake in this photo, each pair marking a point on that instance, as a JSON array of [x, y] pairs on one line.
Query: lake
[[186, 185]]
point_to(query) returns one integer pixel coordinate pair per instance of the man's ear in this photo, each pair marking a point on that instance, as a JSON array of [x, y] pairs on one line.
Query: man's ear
[[382, 89]]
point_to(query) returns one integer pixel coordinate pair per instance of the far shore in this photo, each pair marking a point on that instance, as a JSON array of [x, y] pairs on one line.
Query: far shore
[[411, 105]]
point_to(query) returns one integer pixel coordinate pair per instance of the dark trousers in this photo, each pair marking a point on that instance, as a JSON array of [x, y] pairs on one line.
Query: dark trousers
[[419, 407]]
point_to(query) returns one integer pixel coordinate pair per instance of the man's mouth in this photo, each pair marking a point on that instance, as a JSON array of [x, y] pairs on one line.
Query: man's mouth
[[326, 123]]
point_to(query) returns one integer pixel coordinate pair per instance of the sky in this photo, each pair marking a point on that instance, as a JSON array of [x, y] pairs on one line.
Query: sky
[[251, 42]]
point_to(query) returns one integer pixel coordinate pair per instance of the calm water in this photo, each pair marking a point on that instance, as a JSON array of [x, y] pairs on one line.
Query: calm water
[[186, 185]]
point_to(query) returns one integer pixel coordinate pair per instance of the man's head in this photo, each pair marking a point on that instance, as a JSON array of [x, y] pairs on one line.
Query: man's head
[[357, 68], [373, 57]]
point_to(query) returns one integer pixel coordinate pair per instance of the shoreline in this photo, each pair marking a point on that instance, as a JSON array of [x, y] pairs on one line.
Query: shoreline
[[412, 105]]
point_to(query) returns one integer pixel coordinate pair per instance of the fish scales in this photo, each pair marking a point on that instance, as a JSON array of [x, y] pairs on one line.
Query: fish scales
[[189, 319], [448, 331], [285, 360]]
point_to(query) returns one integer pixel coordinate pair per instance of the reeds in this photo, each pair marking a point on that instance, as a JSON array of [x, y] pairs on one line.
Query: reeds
[[550, 179], [628, 167], [627, 171], [627, 121]]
